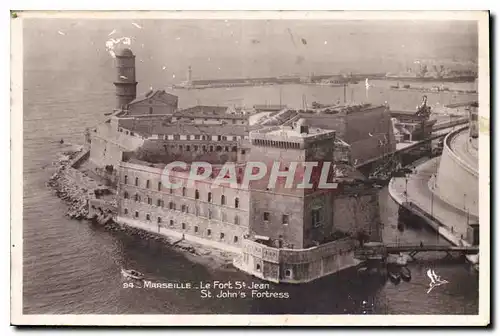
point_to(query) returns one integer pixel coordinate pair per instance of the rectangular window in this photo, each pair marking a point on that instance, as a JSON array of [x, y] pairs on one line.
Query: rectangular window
[[316, 217], [284, 220], [188, 137], [196, 229], [148, 217], [150, 200], [184, 226], [197, 137], [159, 186], [221, 236], [171, 223], [137, 214], [266, 216], [159, 220], [125, 211], [209, 232], [235, 239]]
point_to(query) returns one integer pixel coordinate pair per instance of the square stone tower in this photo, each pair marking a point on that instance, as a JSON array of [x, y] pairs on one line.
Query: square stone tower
[[289, 215]]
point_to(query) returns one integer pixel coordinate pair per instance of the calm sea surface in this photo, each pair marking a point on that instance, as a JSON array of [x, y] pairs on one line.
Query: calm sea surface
[[73, 267]]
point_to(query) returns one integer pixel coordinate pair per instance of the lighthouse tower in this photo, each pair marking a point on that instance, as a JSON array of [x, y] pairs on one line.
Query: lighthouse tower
[[125, 84], [189, 75]]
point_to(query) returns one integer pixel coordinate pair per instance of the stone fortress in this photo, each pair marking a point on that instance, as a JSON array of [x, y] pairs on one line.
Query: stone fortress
[[281, 234]]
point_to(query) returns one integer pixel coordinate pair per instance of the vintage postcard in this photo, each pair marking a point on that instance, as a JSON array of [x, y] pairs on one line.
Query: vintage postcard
[[250, 168]]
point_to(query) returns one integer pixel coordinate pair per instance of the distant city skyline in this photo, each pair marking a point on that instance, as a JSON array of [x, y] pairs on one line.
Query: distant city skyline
[[236, 48]]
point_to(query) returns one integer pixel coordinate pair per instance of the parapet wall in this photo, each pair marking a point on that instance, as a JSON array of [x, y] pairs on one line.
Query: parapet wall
[[457, 183], [296, 265]]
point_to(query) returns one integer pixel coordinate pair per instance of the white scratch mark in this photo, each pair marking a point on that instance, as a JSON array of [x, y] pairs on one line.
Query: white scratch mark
[[123, 77], [114, 31], [164, 67], [61, 33], [173, 76], [136, 25]]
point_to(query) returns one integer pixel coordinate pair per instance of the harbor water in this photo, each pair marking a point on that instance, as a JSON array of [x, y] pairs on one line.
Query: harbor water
[[72, 267]]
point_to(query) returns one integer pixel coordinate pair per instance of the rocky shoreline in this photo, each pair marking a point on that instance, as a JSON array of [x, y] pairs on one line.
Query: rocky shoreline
[[67, 188], [77, 189]]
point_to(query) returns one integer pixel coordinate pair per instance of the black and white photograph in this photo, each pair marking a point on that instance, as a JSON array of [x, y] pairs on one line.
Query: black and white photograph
[[229, 168]]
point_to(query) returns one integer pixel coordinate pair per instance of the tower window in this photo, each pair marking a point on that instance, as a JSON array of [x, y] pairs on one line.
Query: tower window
[[125, 179], [266, 216], [223, 200], [284, 219], [209, 232], [125, 211], [221, 236], [171, 222], [125, 195], [196, 229], [184, 226], [159, 220], [136, 181], [171, 206], [159, 186], [137, 214], [150, 110], [196, 194], [183, 191], [236, 202], [236, 220], [235, 239], [316, 217], [209, 198], [137, 198], [150, 200], [148, 217]]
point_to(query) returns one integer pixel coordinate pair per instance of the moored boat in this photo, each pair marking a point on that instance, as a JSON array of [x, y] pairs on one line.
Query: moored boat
[[133, 274], [405, 274]]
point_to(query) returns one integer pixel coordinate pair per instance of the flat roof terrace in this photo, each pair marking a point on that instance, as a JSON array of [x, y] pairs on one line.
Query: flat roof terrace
[[276, 135]]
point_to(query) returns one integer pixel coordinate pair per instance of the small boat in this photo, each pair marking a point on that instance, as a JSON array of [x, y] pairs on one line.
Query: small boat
[[405, 274], [133, 274], [394, 275], [362, 270]]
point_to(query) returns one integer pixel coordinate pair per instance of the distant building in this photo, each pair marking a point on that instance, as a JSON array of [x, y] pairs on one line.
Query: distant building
[[473, 120], [210, 115]]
